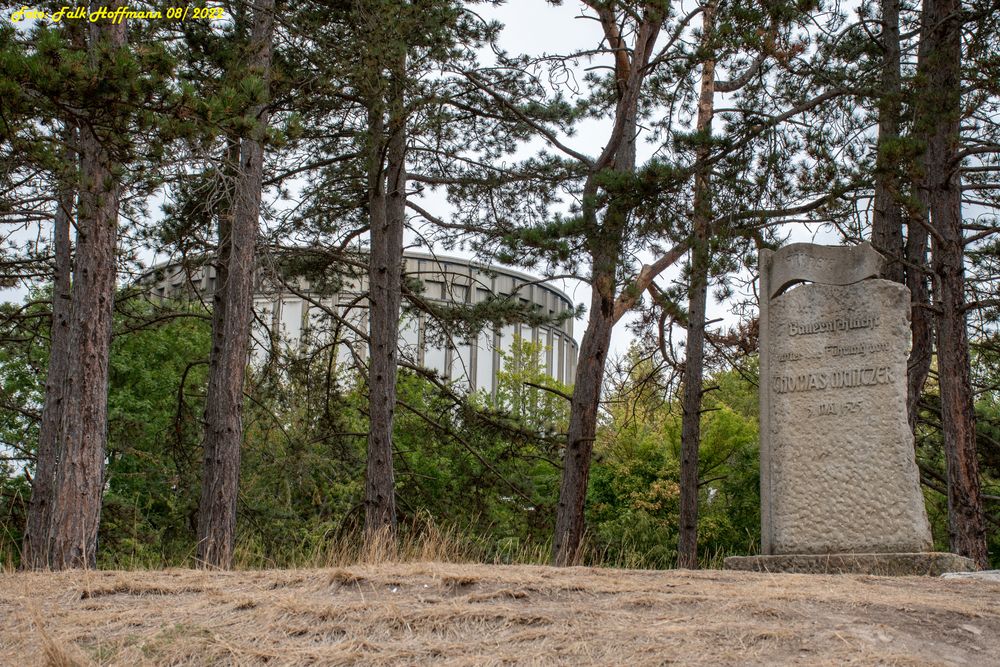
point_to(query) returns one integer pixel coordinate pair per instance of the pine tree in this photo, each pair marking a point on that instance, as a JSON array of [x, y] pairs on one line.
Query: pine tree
[[76, 508], [233, 311], [398, 63], [731, 38], [687, 547], [938, 119], [35, 551]]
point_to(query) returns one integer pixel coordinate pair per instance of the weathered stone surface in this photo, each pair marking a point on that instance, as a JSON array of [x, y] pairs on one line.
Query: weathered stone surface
[[984, 575], [829, 265], [838, 473], [884, 564]]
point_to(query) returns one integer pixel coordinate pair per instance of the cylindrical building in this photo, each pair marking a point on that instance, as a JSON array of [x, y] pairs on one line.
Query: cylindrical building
[[294, 314]]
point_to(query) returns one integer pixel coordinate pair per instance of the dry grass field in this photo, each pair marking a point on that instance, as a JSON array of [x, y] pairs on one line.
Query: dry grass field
[[453, 614]]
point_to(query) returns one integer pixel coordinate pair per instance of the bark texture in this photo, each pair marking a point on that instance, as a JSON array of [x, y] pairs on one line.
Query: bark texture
[[918, 270], [231, 320], [35, 550], [694, 362], [387, 211], [583, 417], [921, 322], [887, 214], [76, 507], [941, 74]]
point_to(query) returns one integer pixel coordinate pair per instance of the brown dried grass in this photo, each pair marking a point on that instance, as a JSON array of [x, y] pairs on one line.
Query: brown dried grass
[[420, 540], [462, 614]]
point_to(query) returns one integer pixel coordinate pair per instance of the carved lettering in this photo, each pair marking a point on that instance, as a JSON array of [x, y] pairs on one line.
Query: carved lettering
[[832, 379], [858, 348], [834, 409], [803, 259], [830, 326]]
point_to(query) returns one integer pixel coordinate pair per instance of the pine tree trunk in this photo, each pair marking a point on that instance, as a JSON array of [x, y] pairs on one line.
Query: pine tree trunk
[[918, 269], [76, 508], [942, 73], [387, 202], [887, 217], [694, 362], [231, 327], [694, 366], [921, 323], [582, 430], [35, 552], [906, 261], [967, 528]]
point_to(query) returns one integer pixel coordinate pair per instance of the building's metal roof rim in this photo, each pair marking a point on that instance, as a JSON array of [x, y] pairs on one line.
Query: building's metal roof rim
[[416, 254]]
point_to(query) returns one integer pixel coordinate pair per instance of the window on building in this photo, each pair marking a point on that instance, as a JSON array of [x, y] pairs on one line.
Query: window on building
[[507, 334], [433, 289], [459, 293]]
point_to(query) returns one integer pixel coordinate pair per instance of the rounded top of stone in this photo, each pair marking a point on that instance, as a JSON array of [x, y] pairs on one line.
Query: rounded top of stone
[[810, 262]]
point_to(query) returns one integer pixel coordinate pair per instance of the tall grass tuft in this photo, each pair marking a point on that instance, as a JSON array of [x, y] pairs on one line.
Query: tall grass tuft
[[422, 539]]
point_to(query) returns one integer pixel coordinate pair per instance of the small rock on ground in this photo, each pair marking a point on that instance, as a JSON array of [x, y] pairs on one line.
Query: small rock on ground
[[987, 575]]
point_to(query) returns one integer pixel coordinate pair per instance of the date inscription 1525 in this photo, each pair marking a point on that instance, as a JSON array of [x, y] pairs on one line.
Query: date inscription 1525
[[831, 409]]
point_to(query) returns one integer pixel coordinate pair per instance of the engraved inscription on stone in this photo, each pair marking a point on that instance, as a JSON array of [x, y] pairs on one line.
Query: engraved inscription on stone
[[837, 461]]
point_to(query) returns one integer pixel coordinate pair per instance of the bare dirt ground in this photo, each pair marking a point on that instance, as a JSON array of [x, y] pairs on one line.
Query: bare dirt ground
[[430, 613]]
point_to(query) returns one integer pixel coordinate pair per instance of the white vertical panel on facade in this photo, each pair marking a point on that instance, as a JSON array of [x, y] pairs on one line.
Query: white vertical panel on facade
[[549, 368], [506, 346], [290, 321], [344, 357], [461, 363], [263, 316], [484, 360], [570, 363], [320, 326], [562, 359], [434, 358], [260, 338], [409, 337]]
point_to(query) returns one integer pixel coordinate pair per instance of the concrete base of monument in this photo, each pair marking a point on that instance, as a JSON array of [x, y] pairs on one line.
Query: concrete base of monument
[[885, 564]]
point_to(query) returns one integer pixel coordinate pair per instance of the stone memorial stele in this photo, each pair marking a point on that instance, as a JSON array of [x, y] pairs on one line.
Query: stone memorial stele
[[839, 485]]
